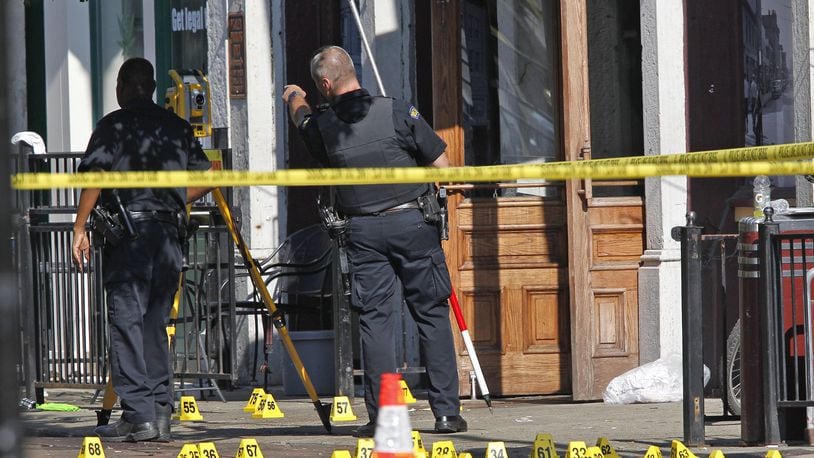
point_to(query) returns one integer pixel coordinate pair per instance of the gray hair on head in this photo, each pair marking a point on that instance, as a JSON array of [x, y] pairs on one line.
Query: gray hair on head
[[333, 63]]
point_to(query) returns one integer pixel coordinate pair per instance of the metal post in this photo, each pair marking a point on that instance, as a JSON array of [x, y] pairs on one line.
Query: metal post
[[767, 295], [343, 331], [692, 323], [10, 429]]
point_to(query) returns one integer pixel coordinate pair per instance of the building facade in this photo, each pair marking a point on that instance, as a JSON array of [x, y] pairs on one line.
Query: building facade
[[564, 284]]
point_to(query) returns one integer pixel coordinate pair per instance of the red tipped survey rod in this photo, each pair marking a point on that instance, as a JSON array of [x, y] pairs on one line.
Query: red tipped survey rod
[[459, 317]]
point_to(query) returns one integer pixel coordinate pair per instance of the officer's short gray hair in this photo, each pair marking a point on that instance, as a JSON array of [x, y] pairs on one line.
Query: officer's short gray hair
[[333, 63]]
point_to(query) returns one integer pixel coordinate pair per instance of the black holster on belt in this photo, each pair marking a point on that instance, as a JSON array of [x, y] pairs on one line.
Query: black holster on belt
[[113, 227], [434, 208], [108, 226]]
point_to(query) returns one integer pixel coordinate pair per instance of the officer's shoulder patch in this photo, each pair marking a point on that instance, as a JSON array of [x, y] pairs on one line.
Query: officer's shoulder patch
[[414, 112]]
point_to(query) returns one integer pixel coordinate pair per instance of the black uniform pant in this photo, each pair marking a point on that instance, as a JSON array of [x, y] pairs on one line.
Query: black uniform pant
[[387, 252], [141, 277]]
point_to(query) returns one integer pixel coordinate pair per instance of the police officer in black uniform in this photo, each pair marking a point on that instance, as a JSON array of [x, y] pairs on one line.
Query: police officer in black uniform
[[141, 271], [393, 252]]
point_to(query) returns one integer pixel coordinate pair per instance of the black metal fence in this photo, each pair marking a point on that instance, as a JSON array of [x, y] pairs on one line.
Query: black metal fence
[[63, 314], [775, 270]]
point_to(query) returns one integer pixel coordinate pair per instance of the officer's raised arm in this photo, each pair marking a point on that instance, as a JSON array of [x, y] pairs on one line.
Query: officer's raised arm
[[298, 107]]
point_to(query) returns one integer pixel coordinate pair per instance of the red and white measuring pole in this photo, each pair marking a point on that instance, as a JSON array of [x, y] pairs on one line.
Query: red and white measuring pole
[[470, 349]]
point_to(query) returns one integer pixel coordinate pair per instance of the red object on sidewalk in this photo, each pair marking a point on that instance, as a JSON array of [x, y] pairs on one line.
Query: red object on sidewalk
[[393, 438]]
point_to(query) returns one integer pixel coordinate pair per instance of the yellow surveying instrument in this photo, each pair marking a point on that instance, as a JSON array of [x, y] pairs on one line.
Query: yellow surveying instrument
[[190, 99]]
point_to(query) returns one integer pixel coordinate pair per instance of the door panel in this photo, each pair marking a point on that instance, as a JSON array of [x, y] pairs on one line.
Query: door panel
[[545, 273]]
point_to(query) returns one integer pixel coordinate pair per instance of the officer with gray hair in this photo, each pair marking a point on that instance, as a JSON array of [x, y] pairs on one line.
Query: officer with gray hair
[[394, 253]]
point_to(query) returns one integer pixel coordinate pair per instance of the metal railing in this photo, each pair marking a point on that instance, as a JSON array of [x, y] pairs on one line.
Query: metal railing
[[63, 313], [775, 270]]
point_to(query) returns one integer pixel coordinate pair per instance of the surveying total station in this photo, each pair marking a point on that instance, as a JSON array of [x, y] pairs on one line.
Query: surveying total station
[[190, 99]]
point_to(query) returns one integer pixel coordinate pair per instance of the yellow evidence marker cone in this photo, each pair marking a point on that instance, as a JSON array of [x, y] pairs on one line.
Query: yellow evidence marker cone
[[364, 448], [679, 450], [496, 450], [443, 449], [405, 390], [341, 454], [91, 446], [189, 409], [418, 444], [594, 452], [248, 448], [469, 455], [208, 450], [268, 408], [544, 447], [653, 452], [773, 454], [576, 449], [717, 454], [606, 448], [257, 394], [341, 409], [189, 451]]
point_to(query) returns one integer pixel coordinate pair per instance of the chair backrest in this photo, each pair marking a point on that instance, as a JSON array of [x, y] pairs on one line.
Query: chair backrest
[[300, 270]]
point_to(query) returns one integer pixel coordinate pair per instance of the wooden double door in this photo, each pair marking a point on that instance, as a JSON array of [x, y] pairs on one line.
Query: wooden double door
[[546, 272]]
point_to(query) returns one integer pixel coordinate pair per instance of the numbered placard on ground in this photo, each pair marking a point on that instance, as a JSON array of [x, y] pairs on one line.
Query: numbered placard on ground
[[248, 448], [341, 409], [91, 446], [576, 449], [653, 452], [606, 448], [256, 396], [208, 450], [341, 454], [364, 448], [679, 450], [189, 451], [405, 391], [717, 454], [594, 452], [544, 447], [268, 408], [188, 408], [418, 444], [443, 449], [496, 450]]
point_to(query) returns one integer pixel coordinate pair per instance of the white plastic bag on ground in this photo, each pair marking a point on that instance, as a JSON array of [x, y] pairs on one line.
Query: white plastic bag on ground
[[659, 381]]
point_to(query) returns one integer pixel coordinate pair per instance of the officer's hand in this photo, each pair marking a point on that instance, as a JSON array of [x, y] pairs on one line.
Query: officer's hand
[[292, 89], [81, 248]]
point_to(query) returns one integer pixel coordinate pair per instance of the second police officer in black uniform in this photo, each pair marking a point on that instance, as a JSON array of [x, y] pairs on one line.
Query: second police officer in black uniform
[[142, 267], [393, 252]]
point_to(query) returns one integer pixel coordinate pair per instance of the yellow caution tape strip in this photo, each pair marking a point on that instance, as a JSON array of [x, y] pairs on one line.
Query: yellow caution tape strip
[[764, 160]]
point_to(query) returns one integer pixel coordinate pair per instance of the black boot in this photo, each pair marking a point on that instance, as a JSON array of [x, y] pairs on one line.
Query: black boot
[[124, 431], [163, 415], [450, 424]]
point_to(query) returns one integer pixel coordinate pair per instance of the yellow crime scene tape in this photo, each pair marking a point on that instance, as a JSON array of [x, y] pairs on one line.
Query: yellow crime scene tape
[[759, 160]]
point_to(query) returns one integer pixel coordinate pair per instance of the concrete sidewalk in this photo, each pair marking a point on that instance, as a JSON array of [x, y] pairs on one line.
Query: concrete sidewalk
[[631, 429]]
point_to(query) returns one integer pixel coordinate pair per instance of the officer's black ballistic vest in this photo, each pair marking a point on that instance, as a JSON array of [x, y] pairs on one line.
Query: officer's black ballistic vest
[[370, 142]]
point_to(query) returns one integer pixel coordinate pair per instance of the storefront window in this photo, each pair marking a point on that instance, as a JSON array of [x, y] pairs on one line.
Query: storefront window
[[119, 35], [510, 82], [768, 75]]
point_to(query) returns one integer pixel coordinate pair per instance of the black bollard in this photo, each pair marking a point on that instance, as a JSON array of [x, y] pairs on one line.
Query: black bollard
[[691, 330]]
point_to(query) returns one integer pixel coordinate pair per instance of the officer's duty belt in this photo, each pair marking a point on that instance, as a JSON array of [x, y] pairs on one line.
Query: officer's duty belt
[[404, 206], [164, 216]]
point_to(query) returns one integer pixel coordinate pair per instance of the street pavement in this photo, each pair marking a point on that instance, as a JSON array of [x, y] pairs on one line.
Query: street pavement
[[631, 429]]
